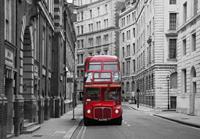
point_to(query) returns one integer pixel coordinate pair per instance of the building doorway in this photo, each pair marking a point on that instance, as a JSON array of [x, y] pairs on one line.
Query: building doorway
[[10, 109]]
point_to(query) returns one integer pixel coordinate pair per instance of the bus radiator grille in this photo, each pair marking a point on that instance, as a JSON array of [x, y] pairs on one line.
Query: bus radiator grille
[[102, 113]]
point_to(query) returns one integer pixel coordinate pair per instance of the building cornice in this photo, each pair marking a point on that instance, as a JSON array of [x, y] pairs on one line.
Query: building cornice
[[156, 66], [190, 21], [93, 3], [46, 13], [98, 31], [129, 10], [123, 28]]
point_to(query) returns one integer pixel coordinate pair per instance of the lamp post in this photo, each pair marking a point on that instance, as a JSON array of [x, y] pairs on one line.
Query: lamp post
[[138, 93], [168, 77]]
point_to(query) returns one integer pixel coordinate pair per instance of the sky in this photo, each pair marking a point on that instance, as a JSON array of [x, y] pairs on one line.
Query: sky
[[70, 1]]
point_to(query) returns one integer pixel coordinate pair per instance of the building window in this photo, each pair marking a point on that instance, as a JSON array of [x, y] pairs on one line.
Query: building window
[[184, 46], [8, 21], [82, 31], [82, 15], [194, 42], [43, 46], [82, 43], [90, 27], [105, 23], [185, 12], [134, 32], [123, 68], [105, 38], [128, 18], [184, 80], [98, 11], [98, 52], [195, 3], [90, 41], [123, 37], [133, 48], [134, 66], [105, 52], [172, 21], [172, 1], [98, 25], [78, 30], [127, 87], [128, 68], [98, 40], [128, 50], [123, 52], [78, 44], [50, 52], [90, 13], [106, 8], [128, 35], [172, 48], [123, 22]]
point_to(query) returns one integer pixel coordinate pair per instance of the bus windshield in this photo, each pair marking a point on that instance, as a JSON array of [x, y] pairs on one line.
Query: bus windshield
[[93, 93], [112, 95]]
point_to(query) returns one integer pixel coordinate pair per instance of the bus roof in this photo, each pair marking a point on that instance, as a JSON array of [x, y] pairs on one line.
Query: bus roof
[[101, 58]]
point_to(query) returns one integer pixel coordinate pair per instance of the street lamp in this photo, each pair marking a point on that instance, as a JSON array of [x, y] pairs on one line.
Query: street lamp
[[138, 93], [168, 78]]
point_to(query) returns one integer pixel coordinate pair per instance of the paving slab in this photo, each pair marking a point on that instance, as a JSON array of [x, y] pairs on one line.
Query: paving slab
[[57, 128], [182, 118]]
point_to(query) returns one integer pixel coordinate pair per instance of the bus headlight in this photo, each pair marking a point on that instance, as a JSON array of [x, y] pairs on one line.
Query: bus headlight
[[88, 111], [116, 111]]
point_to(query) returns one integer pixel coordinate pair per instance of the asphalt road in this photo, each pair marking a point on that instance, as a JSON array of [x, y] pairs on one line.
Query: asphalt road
[[137, 125]]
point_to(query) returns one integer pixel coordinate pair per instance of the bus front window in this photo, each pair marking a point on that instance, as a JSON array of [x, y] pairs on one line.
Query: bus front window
[[112, 95], [92, 94]]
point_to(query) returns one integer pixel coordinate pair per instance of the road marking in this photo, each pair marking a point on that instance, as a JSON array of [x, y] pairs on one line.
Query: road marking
[[84, 130], [79, 133]]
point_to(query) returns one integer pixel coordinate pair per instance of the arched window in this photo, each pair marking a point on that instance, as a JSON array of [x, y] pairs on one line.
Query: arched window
[[133, 86], [173, 80], [193, 72], [127, 86]]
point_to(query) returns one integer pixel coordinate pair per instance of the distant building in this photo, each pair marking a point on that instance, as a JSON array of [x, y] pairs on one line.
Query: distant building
[[188, 49], [127, 48], [97, 31], [155, 52]]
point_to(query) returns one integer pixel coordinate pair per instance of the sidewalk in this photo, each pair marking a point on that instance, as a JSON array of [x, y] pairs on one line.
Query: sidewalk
[[170, 115], [57, 128]]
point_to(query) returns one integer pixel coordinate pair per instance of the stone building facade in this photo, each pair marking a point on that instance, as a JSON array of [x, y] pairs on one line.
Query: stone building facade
[[27, 47], [3, 100], [127, 48], [155, 53], [188, 100], [97, 31]]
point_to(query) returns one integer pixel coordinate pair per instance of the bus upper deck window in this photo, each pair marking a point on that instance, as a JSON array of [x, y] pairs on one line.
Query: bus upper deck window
[[95, 66], [110, 66]]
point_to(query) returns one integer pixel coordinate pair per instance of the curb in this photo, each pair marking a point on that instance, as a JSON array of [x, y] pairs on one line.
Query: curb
[[178, 121]]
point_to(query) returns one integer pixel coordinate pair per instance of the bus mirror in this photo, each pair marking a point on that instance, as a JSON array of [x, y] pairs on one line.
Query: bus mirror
[[81, 96]]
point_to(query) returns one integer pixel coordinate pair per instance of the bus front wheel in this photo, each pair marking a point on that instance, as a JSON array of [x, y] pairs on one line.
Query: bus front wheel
[[86, 122], [118, 121]]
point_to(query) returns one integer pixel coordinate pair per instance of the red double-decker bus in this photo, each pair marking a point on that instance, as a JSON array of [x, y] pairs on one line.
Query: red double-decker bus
[[102, 90]]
